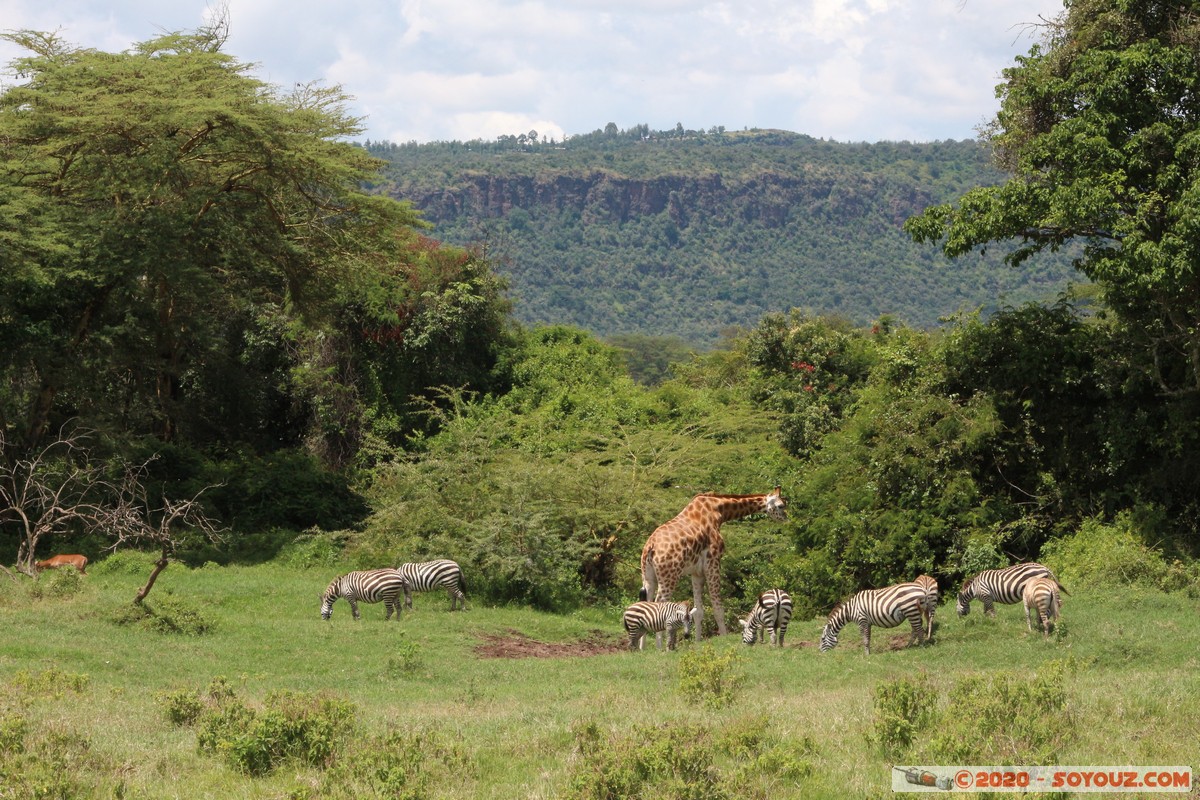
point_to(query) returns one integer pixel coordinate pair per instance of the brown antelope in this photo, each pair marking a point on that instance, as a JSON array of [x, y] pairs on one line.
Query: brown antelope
[[76, 561]]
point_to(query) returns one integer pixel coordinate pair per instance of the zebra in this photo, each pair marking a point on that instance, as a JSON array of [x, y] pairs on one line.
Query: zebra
[[648, 616], [886, 608], [428, 575], [1043, 594], [929, 606], [999, 586], [369, 586], [772, 612]]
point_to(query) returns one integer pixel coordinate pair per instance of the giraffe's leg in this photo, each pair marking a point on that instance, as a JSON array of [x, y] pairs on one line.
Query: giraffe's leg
[[712, 573], [664, 587], [698, 606]]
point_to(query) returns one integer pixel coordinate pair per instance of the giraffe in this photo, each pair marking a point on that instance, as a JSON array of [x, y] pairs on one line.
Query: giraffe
[[691, 544]]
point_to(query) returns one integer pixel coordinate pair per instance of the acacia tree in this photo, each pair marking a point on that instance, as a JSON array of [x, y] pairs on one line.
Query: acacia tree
[[146, 198], [1099, 126], [136, 519], [50, 491]]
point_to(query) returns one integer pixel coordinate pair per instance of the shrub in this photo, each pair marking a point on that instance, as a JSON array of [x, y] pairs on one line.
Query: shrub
[[59, 584], [182, 707], [677, 760], [171, 614], [406, 660], [709, 676], [1104, 556], [685, 760], [903, 708], [1003, 718], [49, 684], [407, 765], [295, 726], [125, 562]]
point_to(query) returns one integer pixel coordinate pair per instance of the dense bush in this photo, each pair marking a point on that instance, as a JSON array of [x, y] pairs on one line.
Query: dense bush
[[1104, 555]]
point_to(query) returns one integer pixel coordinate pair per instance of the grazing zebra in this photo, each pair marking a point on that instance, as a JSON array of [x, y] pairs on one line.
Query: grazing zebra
[[999, 586], [428, 575], [647, 616], [886, 608], [369, 586], [1043, 594], [929, 606], [772, 612]]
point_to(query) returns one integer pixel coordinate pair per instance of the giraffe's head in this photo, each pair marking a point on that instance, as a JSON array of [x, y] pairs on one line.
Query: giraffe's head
[[775, 505]]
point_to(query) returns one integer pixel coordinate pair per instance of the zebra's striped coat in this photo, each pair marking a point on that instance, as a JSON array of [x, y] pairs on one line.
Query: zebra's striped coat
[[886, 608], [369, 586], [647, 616], [999, 586], [929, 606], [772, 612], [425, 575], [1042, 594]]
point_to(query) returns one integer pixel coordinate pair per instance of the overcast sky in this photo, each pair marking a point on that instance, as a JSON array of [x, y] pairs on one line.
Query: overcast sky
[[436, 70]]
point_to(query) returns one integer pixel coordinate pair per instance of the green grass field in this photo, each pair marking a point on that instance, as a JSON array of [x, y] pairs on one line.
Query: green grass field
[[86, 694]]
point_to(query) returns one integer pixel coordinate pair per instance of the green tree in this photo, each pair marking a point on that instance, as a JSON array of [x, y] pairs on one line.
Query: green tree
[[158, 202], [1099, 126]]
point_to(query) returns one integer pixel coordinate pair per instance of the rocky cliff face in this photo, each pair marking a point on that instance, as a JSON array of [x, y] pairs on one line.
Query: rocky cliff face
[[768, 199]]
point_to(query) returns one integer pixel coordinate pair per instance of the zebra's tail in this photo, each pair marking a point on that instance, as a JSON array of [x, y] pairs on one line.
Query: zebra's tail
[[1062, 588], [643, 593]]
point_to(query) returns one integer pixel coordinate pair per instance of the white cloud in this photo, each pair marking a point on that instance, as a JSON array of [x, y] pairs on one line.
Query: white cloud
[[424, 70]]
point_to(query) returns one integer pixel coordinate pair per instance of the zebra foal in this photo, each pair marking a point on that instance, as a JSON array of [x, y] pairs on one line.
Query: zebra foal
[[648, 616], [886, 608], [999, 586], [426, 575], [772, 612], [929, 605], [1043, 594], [369, 586]]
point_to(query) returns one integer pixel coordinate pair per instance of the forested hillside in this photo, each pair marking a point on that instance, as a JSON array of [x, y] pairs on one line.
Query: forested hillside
[[688, 233]]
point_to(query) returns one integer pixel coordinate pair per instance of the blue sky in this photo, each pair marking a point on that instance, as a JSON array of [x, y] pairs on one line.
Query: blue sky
[[435, 70]]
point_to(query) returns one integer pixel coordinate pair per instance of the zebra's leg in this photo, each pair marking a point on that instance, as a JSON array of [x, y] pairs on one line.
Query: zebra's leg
[[1029, 615], [671, 631], [772, 636], [782, 631], [989, 609], [865, 627], [408, 598], [353, 606], [918, 629], [929, 635]]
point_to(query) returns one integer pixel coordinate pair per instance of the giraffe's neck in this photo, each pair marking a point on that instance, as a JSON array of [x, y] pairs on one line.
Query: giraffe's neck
[[722, 508]]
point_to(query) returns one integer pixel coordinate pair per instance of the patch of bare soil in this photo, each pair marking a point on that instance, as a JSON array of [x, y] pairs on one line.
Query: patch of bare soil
[[900, 641], [514, 644]]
